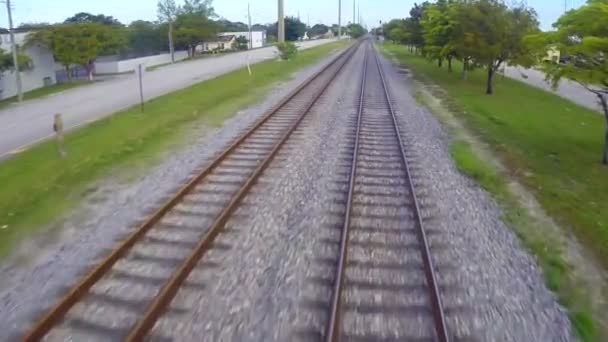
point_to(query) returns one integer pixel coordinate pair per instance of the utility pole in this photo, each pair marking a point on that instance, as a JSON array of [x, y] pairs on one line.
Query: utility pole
[[14, 48], [339, 19], [359, 13], [354, 12], [249, 21], [281, 24]]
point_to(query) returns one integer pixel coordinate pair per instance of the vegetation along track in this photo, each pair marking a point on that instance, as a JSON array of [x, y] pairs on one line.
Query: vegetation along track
[[129, 290], [385, 287]]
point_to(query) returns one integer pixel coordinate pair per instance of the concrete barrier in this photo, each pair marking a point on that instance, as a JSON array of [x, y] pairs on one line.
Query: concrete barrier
[[127, 65]]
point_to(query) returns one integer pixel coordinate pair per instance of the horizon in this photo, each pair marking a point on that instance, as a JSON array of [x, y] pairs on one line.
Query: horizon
[[262, 11]]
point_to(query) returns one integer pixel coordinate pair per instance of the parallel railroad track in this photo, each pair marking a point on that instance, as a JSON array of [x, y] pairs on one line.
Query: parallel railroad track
[[197, 212], [385, 287]]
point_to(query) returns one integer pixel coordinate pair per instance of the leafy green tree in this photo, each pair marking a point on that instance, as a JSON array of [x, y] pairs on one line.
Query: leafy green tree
[[294, 29], [167, 11], [202, 8], [242, 43], [7, 63], [79, 44], [145, 37], [395, 31], [413, 25], [356, 30], [25, 27], [318, 30], [88, 18], [192, 29], [224, 25], [581, 36], [494, 34], [439, 33]]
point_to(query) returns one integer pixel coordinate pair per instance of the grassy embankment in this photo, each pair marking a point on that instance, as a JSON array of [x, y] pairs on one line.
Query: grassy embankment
[[37, 186], [548, 144]]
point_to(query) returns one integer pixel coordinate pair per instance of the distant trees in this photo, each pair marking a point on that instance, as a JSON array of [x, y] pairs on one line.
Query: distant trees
[[80, 44], [88, 18], [483, 33], [318, 30], [581, 36], [356, 30], [294, 29]]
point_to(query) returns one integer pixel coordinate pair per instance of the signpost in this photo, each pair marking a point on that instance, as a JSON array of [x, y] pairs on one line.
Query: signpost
[[140, 70]]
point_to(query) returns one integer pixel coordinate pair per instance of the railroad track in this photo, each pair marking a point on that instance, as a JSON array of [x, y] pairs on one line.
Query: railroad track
[[385, 287], [125, 294]]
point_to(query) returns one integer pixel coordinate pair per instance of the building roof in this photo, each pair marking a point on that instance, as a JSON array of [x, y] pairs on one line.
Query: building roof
[[224, 39]]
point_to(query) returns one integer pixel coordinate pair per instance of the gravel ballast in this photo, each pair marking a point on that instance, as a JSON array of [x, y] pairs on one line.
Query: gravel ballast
[[484, 270], [43, 269], [269, 277]]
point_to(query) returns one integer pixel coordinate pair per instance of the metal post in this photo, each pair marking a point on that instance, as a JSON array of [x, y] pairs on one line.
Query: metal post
[[250, 33], [339, 19], [354, 12], [140, 74], [281, 24], [14, 48]]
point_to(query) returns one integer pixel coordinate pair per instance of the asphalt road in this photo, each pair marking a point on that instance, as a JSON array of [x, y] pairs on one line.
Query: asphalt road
[[567, 89], [23, 125]]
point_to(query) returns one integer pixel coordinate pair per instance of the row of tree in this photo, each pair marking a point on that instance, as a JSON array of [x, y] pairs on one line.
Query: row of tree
[[490, 34], [479, 33]]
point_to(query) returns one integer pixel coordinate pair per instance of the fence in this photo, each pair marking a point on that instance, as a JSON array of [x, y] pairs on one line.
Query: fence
[[128, 65]]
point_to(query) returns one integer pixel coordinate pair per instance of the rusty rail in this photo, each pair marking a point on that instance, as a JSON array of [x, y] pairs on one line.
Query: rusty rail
[[333, 328], [56, 314]]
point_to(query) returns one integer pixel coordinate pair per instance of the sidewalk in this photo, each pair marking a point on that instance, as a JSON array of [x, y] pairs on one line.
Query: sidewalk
[[24, 124], [567, 89]]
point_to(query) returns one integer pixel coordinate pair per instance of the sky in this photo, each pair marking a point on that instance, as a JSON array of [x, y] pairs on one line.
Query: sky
[[262, 11]]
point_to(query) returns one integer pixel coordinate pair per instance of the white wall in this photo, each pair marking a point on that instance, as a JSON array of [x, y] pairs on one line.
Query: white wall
[[43, 66], [115, 67], [258, 38]]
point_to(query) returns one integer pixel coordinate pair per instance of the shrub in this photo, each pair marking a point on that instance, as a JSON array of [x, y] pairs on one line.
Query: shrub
[[287, 50]]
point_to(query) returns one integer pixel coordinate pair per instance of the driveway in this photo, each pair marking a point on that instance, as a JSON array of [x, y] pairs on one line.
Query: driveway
[[567, 89], [25, 124]]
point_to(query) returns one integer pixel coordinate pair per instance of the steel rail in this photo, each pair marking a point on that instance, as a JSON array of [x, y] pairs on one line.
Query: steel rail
[[153, 312], [56, 314], [431, 278], [332, 332]]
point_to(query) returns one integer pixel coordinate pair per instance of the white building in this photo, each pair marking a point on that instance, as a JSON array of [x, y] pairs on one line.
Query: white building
[[257, 40], [41, 71]]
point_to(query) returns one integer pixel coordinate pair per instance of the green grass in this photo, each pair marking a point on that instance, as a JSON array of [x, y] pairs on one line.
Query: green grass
[[550, 144], [547, 251], [523, 126], [37, 186], [44, 91]]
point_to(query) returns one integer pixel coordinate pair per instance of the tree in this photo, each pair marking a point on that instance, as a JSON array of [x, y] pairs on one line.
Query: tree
[[438, 33], [88, 18], [202, 8], [294, 29], [242, 43], [144, 37], [25, 27], [356, 30], [167, 12], [191, 29], [495, 34], [413, 25], [224, 25], [7, 63], [582, 36], [79, 44], [318, 30]]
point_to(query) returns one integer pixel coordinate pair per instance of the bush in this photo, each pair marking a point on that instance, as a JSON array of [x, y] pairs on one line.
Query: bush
[[287, 50]]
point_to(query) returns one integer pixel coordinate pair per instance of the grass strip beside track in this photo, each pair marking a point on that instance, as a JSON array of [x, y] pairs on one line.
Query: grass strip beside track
[[38, 186], [546, 143]]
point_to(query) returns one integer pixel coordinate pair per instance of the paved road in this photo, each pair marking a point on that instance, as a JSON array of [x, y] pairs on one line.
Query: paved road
[[30, 122], [567, 89]]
